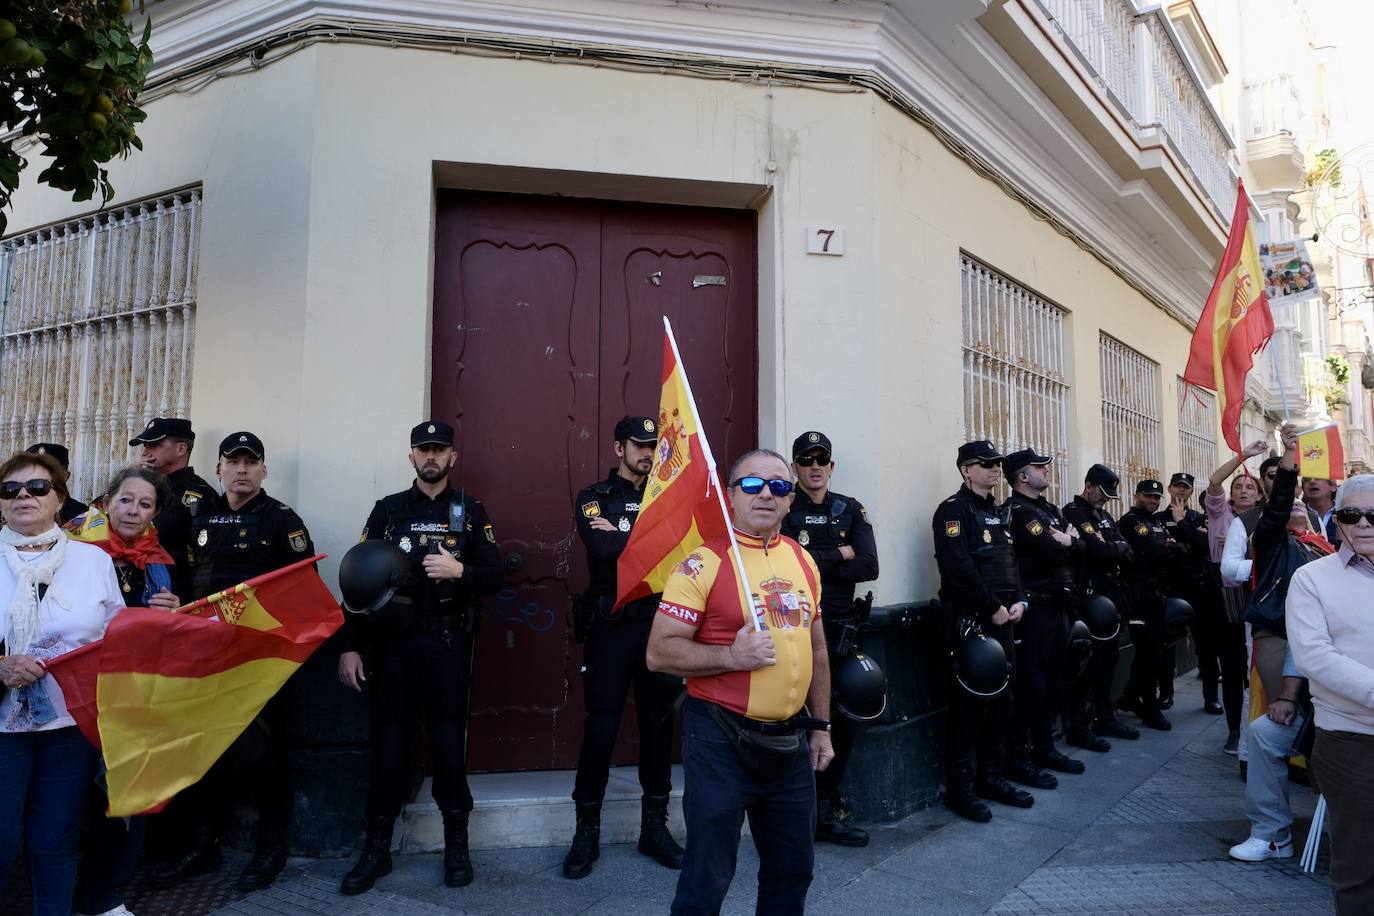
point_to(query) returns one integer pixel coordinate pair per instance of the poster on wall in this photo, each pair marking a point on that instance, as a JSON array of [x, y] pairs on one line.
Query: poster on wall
[[1288, 272]]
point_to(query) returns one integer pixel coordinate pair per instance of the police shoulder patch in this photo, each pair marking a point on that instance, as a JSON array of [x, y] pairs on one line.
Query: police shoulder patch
[[190, 498], [1034, 527], [952, 529], [1141, 530], [362, 537], [297, 540], [1088, 528], [591, 509]]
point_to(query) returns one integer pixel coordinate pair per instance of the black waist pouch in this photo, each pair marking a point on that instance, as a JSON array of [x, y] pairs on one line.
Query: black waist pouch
[[765, 757]]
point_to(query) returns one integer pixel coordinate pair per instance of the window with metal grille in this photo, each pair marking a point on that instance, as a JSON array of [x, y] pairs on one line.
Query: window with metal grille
[[1015, 392], [1197, 438], [97, 331], [1130, 414]]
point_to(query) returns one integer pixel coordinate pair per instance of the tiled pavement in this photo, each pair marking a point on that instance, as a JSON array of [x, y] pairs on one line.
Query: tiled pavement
[[1144, 831]]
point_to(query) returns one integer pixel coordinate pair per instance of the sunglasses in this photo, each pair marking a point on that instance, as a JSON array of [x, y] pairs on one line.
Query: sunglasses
[[805, 461], [11, 489], [754, 485], [987, 465], [1349, 516]]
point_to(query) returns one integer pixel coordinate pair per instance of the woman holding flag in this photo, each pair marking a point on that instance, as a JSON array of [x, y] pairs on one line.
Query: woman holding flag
[[55, 595]]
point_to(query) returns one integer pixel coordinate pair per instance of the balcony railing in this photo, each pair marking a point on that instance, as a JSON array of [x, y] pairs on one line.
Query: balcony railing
[[1273, 105], [1137, 58]]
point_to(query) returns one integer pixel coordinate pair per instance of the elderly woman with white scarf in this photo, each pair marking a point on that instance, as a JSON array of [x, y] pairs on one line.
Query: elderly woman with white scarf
[[55, 595]]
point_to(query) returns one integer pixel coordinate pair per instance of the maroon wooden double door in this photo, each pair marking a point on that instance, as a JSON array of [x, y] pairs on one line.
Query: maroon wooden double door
[[547, 330]]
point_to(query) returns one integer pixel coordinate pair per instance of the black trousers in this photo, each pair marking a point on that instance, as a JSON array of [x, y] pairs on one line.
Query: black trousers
[[1090, 696], [1041, 654], [719, 795], [612, 662], [1147, 635], [409, 672], [110, 847], [842, 729], [1221, 653], [977, 727]]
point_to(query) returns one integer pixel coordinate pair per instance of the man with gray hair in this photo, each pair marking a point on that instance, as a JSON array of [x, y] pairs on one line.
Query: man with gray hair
[[1330, 620]]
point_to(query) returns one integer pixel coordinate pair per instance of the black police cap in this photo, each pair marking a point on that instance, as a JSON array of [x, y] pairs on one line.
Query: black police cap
[[636, 429], [810, 441], [1184, 478], [1026, 457], [1104, 477], [50, 448], [160, 428], [431, 432], [977, 450], [242, 441], [1150, 488]]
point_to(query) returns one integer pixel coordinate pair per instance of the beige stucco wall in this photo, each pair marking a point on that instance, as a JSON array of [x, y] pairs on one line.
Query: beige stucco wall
[[316, 259]]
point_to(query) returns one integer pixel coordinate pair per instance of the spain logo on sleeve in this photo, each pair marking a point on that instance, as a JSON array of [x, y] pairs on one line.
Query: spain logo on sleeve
[[1035, 528], [952, 529], [591, 509]]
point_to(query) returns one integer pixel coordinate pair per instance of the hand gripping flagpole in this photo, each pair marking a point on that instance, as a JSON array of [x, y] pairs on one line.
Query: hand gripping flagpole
[[736, 557]]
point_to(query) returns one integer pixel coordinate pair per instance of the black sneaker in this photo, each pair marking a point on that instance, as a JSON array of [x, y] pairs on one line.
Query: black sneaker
[[1232, 745]]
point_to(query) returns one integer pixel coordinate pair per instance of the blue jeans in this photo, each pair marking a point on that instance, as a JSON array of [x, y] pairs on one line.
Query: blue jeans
[[51, 771], [718, 794]]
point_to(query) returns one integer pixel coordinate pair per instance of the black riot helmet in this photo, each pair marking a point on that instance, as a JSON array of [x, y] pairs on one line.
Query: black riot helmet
[[1080, 649], [370, 574], [980, 664], [1100, 615], [860, 687], [1177, 613]]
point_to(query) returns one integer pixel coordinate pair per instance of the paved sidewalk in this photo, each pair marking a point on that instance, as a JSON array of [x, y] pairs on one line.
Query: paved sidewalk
[[1145, 831]]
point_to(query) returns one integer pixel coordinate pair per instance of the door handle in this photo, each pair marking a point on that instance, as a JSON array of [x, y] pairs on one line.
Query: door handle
[[514, 562]]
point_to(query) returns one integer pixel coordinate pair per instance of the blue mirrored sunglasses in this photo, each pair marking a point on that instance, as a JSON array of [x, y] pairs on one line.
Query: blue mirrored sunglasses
[[753, 485]]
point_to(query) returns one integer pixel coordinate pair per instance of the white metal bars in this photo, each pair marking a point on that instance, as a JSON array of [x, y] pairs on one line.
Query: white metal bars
[[1015, 391], [97, 331], [1130, 414], [1197, 438], [1103, 32]]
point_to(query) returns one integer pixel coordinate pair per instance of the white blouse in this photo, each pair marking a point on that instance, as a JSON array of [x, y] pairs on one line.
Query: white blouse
[[86, 583]]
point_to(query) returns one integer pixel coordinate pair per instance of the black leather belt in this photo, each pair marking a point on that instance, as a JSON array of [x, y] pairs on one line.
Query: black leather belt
[[438, 623], [780, 727]]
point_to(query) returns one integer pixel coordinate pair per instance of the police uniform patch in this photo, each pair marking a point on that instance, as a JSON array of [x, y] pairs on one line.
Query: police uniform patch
[[624, 524], [451, 541], [864, 512], [297, 539], [490, 533], [362, 537], [987, 536], [591, 509], [1035, 528], [1141, 530], [405, 544], [190, 498], [1088, 528], [424, 540], [204, 537], [952, 529], [803, 538]]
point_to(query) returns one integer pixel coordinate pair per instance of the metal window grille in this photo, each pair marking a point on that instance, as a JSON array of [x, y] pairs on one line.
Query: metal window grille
[[1130, 413], [97, 331], [1197, 440], [1015, 392]]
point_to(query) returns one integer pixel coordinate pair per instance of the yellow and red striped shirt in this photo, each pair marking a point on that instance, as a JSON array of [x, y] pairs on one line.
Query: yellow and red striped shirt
[[703, 591]]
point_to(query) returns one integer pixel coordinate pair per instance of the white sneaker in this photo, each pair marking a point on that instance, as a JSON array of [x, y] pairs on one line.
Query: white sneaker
[[1257, 850]]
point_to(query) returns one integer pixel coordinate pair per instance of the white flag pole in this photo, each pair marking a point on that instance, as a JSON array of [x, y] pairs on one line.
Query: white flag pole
[[737, 558]]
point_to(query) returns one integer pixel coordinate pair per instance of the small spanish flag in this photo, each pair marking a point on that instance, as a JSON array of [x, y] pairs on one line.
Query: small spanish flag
[[1320, 454]]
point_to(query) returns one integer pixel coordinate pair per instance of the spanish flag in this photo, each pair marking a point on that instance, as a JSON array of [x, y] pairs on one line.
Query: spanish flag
[[680, 508], [1235, 323], [173, 690], [1320, 454]]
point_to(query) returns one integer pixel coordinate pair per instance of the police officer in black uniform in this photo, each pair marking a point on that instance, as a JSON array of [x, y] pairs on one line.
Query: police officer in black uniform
[[835, 530], [1106, 559], [1155, 550], [71, 507], [166, 448], [239, 535], [613, 659], [978, 582], [1195, 581], [417, 652], [1047, 552]]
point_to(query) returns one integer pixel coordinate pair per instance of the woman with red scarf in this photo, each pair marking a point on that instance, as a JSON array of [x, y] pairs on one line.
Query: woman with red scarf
[[121, 524]]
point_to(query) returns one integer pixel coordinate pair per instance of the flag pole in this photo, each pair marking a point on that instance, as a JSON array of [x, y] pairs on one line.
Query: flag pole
[[736, 557], [1278, 373]]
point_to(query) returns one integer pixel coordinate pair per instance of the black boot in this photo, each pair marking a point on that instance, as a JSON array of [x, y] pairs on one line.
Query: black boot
[[375, 861], [1115, 728], [995, 788], [959, 796], [457, 861], [654, 839], [269, 856], [201, 856], [1020, 769], [1050, 758], [1082, 736], [586, 844], [830, 829]]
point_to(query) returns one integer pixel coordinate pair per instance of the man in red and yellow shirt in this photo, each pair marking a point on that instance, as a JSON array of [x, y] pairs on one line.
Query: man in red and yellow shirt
[[753, 681]]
